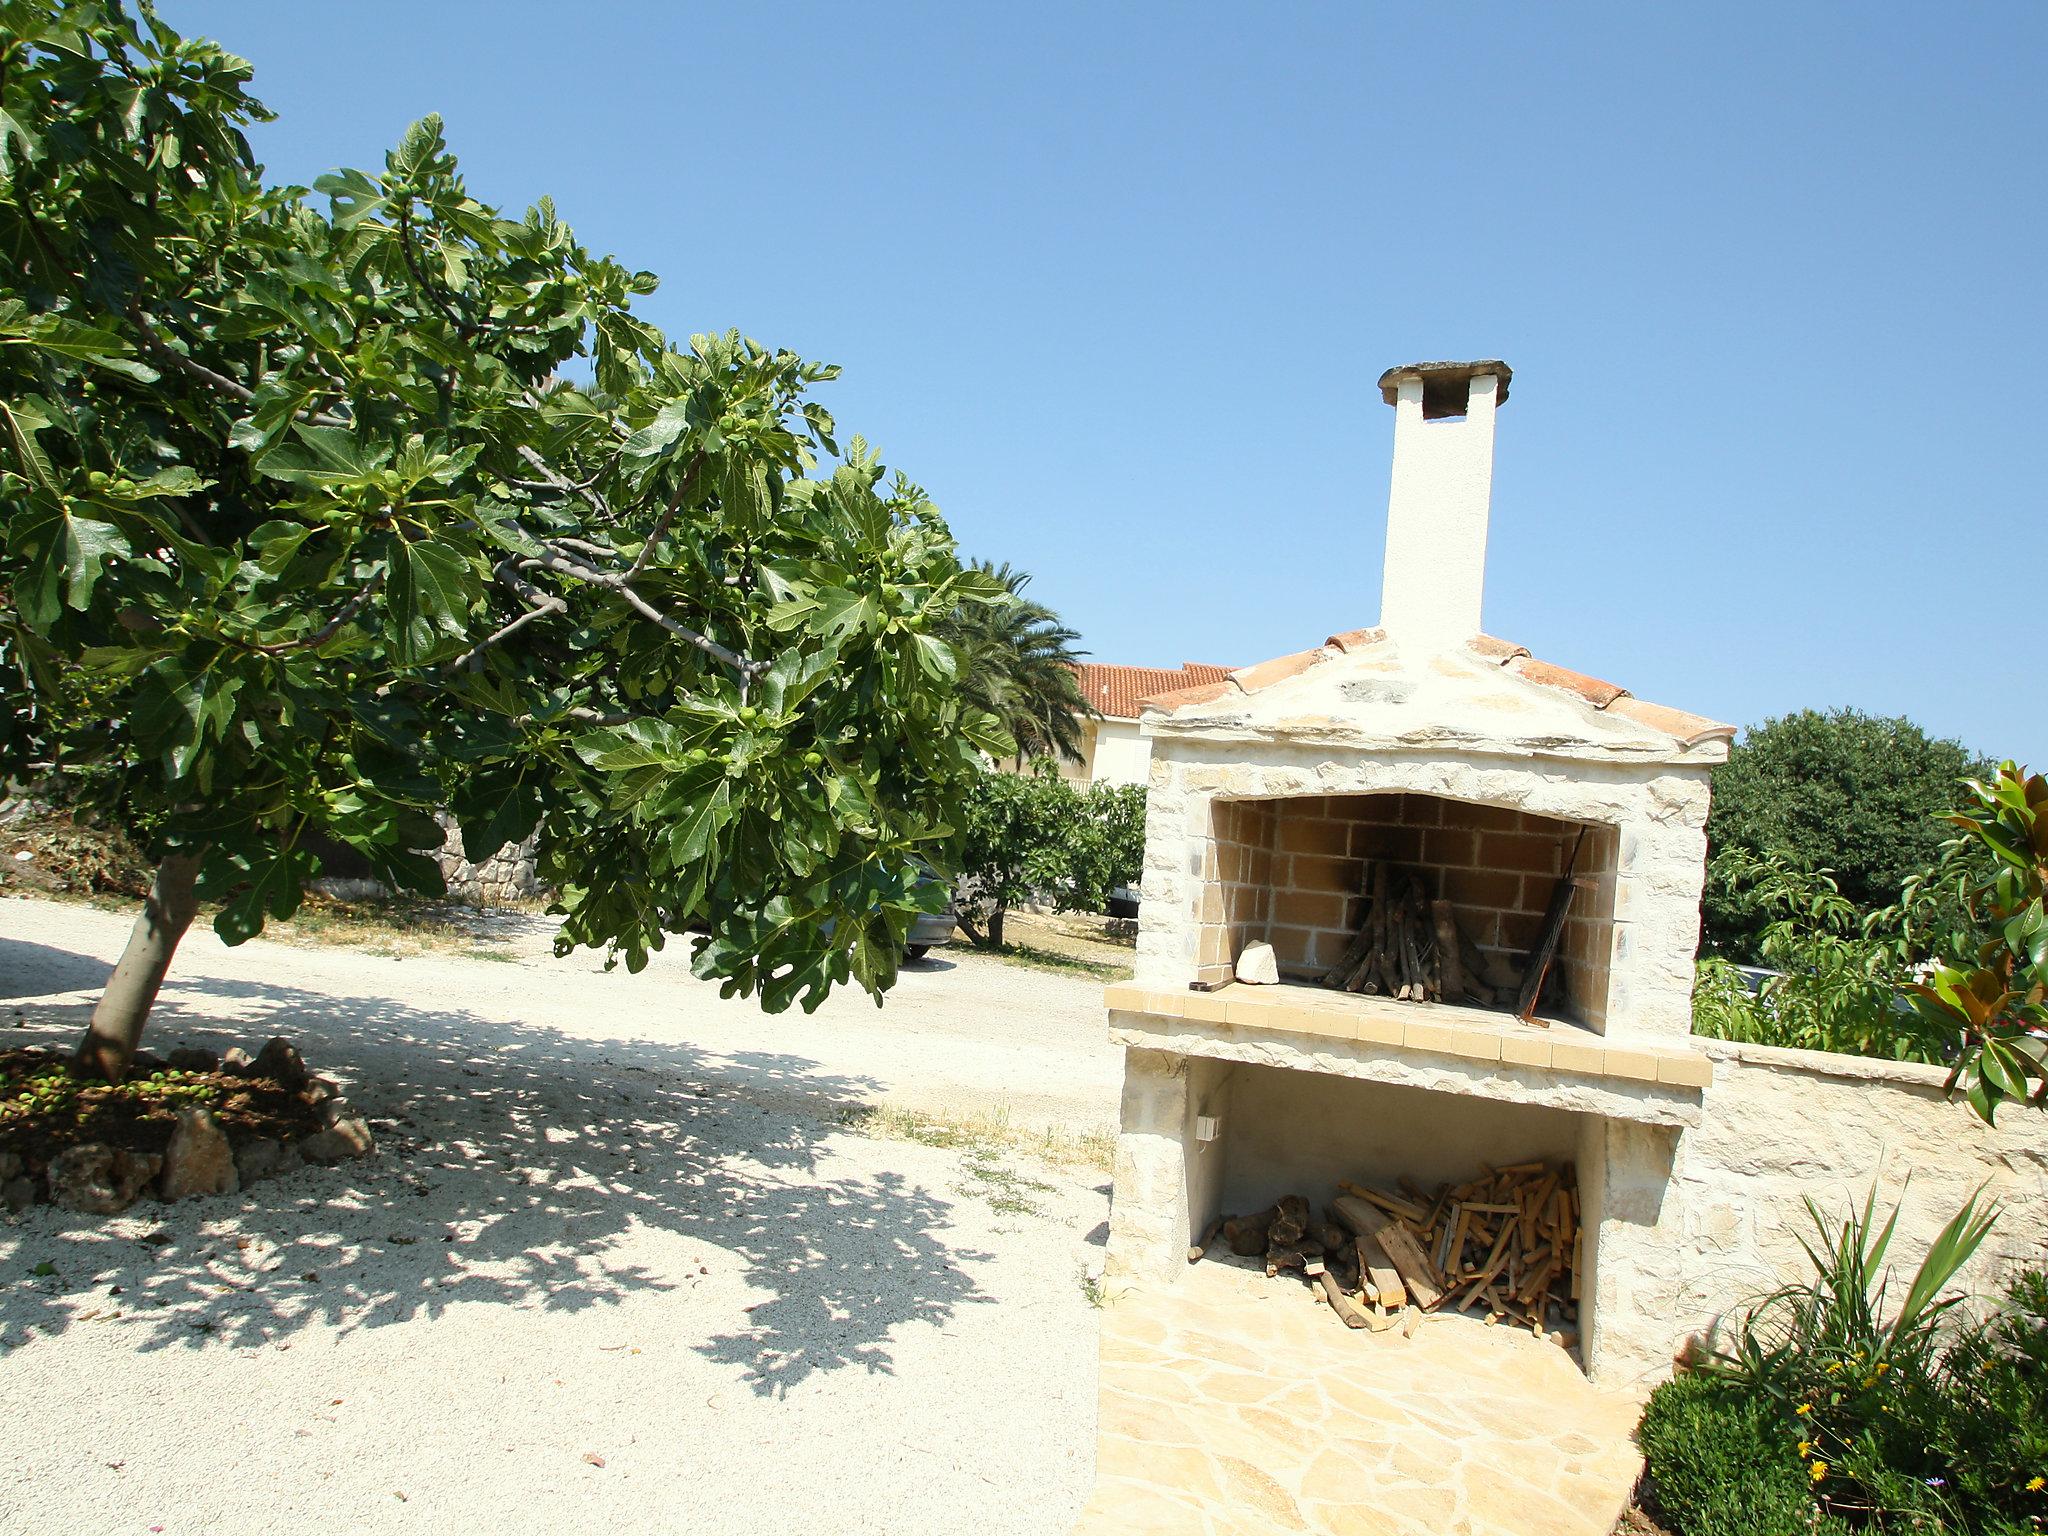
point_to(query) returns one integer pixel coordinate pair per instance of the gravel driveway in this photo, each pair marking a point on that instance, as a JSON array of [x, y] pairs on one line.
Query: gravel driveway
[[616, 1266]]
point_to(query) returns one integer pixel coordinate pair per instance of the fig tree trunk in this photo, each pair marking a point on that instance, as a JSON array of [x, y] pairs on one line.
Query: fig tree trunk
[[116, 1028]]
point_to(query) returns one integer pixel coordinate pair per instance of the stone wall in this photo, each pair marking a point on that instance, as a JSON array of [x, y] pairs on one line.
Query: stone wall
[[1699, 1221], [510, 875]]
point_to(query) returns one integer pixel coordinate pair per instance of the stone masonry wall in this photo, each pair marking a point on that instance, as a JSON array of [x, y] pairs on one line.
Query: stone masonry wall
[[1700, 1221], [1688, 1224], [509, 875]]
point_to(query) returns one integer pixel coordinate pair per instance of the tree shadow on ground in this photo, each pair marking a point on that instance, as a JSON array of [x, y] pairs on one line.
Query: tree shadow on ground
[[37, 970], [516, 1165]]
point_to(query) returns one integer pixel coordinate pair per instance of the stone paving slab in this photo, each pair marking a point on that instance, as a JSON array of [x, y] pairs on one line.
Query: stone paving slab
[[1233, 1403]]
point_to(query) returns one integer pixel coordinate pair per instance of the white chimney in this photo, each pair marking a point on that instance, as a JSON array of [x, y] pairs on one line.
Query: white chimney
[[1442, 492]]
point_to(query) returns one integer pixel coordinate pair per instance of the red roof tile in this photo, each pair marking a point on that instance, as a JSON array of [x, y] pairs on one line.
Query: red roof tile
[[1115, 690], [1593, 690], [1265, 674], [1356, 639]]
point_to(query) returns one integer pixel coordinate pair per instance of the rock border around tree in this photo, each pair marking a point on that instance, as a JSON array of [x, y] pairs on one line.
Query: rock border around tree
[[193, 1124]]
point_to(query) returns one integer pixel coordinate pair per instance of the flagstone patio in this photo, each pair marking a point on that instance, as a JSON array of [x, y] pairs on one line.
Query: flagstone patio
[[1233, 1403]]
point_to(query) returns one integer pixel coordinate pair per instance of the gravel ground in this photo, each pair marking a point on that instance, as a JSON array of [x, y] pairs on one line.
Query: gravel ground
[[615, 1265]]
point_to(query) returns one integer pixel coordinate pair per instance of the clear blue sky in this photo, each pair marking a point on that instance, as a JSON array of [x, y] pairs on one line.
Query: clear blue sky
[[1115, 283]]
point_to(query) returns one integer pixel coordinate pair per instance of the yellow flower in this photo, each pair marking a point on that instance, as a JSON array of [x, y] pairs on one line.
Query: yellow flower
[[1883, 1366], [1805, 1449], [1806, 1407], [1817, 1471], [2036, 1483], [1834, 1366]]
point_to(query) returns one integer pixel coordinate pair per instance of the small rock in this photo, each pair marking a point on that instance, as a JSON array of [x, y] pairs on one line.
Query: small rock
[[264, 1158], [94, 1178], [192, 1058], [235, 1060], [319, 1090], [198, 1160], [18, 1193], [1257, 964], [10, 1166], [279, 1059], [346, 1137]]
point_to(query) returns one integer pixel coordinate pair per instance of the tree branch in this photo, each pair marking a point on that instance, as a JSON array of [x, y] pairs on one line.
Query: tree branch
[[566, 487], [330, 629], [158, 347], [555, 560], [668, 516], [540, 604], [412, 265]]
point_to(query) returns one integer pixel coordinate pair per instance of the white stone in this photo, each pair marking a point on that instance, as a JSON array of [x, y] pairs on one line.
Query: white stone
[[1257, 964]]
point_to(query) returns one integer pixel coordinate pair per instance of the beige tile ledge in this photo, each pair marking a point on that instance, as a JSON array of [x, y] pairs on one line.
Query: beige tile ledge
[[1430, 1045]]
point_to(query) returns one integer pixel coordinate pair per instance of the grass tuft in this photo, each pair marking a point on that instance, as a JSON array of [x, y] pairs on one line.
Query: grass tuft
[[988, 1133]]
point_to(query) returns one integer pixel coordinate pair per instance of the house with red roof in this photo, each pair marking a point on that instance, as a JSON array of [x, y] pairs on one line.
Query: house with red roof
[[1112, 749]]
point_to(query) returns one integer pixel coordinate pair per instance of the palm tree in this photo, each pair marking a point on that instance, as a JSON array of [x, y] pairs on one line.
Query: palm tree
[[1017, 662]]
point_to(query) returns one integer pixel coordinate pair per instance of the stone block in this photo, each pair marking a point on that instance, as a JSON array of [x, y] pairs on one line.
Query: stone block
[[1568, 1055], [1688, 1071], [1625, 1061], [1520, 1050], [1451, 1040]]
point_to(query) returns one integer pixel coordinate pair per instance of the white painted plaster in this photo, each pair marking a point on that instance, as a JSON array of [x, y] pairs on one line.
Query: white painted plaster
[[1437, 509]]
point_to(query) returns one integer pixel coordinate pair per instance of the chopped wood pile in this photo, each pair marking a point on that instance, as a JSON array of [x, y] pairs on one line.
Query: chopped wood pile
[[1507, 1242], [1411, 947]]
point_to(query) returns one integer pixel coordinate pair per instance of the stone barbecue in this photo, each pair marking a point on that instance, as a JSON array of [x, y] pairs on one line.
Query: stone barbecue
[[1549, 830]]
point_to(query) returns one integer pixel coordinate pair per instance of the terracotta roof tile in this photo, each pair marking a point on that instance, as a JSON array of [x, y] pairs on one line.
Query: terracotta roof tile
[[1593, 690], [1200, 693], [1356, 639], [1495, 650], [1265, 674], [1688, 728], [1116, 691], [1205, 685]]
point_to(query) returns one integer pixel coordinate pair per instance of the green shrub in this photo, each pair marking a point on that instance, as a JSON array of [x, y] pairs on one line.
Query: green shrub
[[1848, 1368], [1841, 974], [1722, 1462], [1991, 1434]]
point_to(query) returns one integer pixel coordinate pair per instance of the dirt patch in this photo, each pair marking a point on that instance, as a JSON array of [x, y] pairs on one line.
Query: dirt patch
[[44, 1108], [49, 852], [1065, 942]]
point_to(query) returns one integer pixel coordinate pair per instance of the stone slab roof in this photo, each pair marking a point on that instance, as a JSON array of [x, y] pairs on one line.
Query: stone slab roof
[[1380, 677]]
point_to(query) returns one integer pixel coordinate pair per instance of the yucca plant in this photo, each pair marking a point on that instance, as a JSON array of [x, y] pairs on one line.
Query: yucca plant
[[1837, 1355]]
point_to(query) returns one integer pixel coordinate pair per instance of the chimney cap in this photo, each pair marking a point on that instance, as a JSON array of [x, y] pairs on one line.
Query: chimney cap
[[1446, 374]]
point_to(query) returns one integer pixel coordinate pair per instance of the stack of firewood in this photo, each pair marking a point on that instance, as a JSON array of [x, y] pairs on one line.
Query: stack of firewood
[[1507, 1241], [1412, 947]]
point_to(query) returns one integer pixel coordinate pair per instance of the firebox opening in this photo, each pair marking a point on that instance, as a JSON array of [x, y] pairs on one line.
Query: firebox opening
[[1299, 873]]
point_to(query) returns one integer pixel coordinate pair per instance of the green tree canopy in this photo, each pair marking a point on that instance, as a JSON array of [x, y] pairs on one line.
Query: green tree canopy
[[1839, 790], [305, 534], [1033, 833]]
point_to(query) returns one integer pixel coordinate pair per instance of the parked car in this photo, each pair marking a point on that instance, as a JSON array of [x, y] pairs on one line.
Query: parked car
[[930, 930]]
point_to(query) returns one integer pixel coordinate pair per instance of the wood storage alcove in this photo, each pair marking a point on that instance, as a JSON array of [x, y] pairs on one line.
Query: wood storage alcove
[[1464, 1205]]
